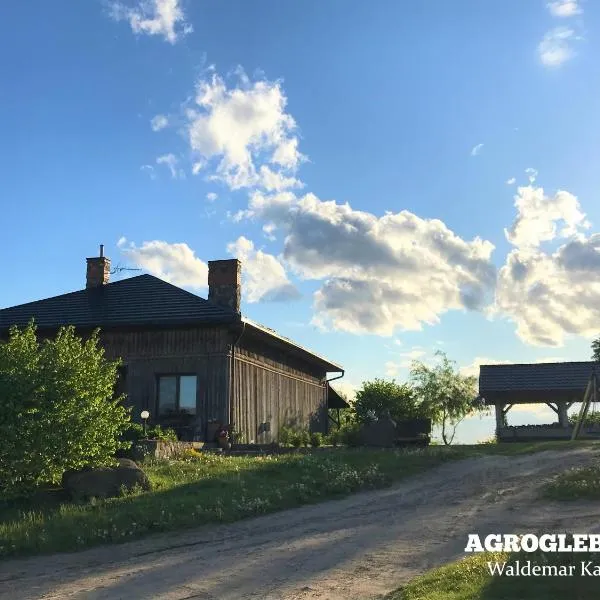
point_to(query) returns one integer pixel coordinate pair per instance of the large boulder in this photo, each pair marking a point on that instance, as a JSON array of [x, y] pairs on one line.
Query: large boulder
[[380, 433], [105, 482]]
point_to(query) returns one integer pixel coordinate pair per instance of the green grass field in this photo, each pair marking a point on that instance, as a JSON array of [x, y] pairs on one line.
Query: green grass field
[[217, 489], [470, 579]]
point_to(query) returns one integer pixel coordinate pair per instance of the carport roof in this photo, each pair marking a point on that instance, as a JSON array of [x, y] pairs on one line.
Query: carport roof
[[536, 382]]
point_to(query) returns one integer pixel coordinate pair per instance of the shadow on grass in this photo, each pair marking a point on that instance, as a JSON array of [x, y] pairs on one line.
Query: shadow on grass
[[212, 490]]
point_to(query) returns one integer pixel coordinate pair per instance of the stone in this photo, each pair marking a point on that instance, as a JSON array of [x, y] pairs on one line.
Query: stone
[[380, 433], [105, 482]]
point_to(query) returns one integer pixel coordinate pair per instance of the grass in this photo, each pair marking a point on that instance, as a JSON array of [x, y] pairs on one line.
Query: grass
[[470, 579], [216, 489], [574, 484]]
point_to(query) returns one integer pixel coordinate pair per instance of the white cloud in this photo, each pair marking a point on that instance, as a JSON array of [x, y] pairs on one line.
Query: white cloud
[[476, 150], [148, 169], [269, 231], [346, 388], [564, 8], [154, 17], [556, 47], [380, 273], [246, 131], [175, 263], [511, 181], [550, 295], [531, 174], [159, 122], [538, 215], [264, 276], [211, 196], [171, 161]]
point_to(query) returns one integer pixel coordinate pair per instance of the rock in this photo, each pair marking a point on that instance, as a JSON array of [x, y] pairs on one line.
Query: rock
[[380, 433], [105, 482]]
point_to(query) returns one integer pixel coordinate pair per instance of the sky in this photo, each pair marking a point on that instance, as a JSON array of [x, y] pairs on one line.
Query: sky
[[397, 178]]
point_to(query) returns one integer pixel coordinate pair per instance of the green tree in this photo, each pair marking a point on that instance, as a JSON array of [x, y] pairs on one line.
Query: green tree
[[445, 396], [379, 398], [57, 409], [596, 349]]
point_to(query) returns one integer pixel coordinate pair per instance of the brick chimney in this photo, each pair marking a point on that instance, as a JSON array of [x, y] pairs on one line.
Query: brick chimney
[[225, 283], [98, 270]]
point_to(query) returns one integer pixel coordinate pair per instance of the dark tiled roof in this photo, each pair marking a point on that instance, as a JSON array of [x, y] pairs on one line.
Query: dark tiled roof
[[535, 377], [141, 300]]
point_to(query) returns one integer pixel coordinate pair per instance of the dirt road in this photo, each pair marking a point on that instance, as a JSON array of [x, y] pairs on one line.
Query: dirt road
[[357, 548]]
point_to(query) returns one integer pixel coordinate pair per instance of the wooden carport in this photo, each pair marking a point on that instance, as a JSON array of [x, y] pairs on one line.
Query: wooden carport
[[558, 385]]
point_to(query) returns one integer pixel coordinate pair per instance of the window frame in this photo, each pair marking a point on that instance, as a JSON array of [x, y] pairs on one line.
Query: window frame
[[178, 377]]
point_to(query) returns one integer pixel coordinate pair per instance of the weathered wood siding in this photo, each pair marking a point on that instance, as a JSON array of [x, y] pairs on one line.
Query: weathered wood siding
[[272, 389], [147, 354]]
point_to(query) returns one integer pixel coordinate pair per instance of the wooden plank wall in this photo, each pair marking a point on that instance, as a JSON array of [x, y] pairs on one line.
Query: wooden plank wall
[[275, 388], [147, 354]]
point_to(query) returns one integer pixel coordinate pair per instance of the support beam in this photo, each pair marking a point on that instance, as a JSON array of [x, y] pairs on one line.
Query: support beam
[[590, 393], [556, 408], [563, 416], [500, 414]]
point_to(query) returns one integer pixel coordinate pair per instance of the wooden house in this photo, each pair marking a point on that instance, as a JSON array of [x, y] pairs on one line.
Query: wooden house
[[193, 362]]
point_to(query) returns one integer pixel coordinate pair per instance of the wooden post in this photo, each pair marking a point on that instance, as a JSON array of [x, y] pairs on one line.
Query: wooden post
[[499, 416], [563, 416], [585, 405]]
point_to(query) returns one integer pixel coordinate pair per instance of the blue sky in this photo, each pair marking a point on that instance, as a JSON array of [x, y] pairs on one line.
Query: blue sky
[[396, 177]]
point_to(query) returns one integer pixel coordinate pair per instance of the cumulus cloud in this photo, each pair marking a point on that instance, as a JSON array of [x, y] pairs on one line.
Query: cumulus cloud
[[556, 47], [476, 150], [550, 293], [175, 263], [265, 279], [511, 181], [153, 17], [171, 161], [211, 196], [159, 122], [564, 8], [380, 273], [539, 216], [245, 132]]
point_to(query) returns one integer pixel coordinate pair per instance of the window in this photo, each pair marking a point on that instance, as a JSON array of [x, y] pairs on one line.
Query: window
[[177, 393]]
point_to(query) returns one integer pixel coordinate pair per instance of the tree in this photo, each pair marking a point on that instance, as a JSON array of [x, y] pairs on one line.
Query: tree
[[446, 396], [596, 349], [57, 409], [379, 398]]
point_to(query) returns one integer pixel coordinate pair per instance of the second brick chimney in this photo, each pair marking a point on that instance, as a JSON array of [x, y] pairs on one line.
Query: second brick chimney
[[98, 270], [225, 283]]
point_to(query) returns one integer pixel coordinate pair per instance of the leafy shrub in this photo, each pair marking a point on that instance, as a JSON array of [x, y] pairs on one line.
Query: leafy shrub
[[316, 439], [296, 439], [379, 398], [333, 437], [57, 409], [285, 436], [349, 434], [135, 432], [158, 433]]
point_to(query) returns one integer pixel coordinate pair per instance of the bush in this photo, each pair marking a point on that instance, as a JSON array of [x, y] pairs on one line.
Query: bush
[[285, 436], [333, 437], [296, 439], [135, 432], [379, 398], [57, 409], [349, 434], [316, 439]]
